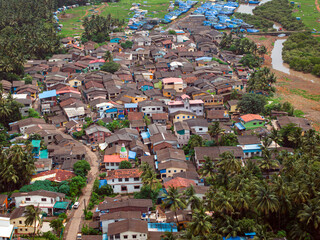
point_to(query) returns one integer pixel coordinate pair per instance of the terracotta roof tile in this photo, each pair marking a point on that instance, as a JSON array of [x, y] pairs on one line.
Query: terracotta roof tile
[[123, 173], [179, 182], [251, 117]]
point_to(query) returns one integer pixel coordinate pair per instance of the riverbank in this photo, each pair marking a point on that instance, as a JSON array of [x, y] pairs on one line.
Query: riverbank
[[300, 89]]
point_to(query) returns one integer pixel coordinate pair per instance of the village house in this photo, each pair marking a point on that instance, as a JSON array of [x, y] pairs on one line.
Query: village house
[[151, 107], [18, 218], [6, 229], [128, 229], [214, 153], [250, 121], [182, 131], [96, 134], [124, 180], [40, 198], [251, 145], [130, 205], [112, 162], [186, 105]]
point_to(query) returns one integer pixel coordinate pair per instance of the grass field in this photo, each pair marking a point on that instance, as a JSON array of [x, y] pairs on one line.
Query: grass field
[[308, 13], [71, 21]]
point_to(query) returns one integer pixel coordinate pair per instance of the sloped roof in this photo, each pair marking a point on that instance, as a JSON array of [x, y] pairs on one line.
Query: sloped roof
[[123, 173], [251, 117], [131, 225], [56, 175], [179, 182]]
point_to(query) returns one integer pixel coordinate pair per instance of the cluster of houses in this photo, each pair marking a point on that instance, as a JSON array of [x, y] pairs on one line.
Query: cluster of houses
[[169, 87]]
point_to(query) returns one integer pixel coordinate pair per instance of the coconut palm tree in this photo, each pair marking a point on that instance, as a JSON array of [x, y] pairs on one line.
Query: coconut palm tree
[[191, 198], [200, 225], [310, 214], [168, 236], [275, 136], [32, 217], [208, 168], [215, 130], [267, 162], [265, 200], [229, 163], [174, 201]]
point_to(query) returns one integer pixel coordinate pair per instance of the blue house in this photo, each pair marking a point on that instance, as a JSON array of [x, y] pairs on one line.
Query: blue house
[[115, 40], [251, 145], [130, 107], [144, 86]]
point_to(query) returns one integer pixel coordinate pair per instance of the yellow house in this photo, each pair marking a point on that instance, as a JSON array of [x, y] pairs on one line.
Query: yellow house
[[181, 116], [75, 82], [136, 99], [210, 100], [173, 83], [232, 106], [168, 168], [18, 218]]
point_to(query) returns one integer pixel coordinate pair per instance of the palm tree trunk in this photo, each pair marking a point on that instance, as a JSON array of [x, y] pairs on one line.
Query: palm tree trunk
[[175, 212], [34, 228]]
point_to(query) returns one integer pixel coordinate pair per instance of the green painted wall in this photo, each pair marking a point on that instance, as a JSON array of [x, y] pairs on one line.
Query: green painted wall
[[253, 124]]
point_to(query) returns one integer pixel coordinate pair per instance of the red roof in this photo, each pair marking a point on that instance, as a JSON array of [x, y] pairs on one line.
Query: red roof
[[56, 175], [251, 117], [179, 182], [97, 61], [123, 173], [67, 89], [113, 158], [135, 116]]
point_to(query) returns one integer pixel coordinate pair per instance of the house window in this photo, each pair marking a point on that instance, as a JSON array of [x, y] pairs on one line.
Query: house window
[[188, 116], [134, 236], [119, 179], [111, 164], [177, 117], [136, 179], [20, 222], [183, 117], [158, 108], [127, 179], [28, 199], [200, 129], [169, 171], [260, 122], [26, 229], [136, 187], [125, 236], [254, 123], [43, 199], [123, 188], [153, 109], [175, 170]]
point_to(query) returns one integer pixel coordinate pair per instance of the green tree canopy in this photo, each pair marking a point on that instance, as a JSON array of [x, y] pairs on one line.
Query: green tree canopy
[[125, 165], [252, 103], [81, 168], [110, 67]]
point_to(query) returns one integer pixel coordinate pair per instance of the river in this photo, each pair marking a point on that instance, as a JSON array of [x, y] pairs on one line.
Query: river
[[247, 8], [276, 56]]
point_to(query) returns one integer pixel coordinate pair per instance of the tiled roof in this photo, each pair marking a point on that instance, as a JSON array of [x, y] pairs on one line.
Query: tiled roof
[[135, 116], [123, 173], [113, 158], [251, 117], [127, 225], [179, 182], [56, 175]]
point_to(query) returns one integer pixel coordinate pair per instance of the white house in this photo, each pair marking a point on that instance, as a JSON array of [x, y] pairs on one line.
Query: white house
[[150, 107], [96, 64], [124, 180], [105, 110], [193, 106], [44, 199], [198, 125], [109, 218], [128, 229], [6, 229]]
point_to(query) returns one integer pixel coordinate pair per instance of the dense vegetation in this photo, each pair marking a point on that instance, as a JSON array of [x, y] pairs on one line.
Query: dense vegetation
[[256, 196], [279, 11], [261, 81], [26, 31], [258, 22], [301, 52], [98, 28], [253, 55], [16, 167]]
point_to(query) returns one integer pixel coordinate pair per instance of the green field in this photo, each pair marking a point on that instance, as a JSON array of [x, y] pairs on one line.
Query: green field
[[72, 23], [308, 13]]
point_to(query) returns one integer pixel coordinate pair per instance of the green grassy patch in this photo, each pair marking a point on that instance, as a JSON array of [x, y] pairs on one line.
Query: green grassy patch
[[72, 25], [305, 94], [308, 13], [262, 38], [298, 113], [72, 22]]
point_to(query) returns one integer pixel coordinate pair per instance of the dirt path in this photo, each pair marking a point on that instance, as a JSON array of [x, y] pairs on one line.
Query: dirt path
[[317, 5], [99, 9], [287, 83], [76, 218]]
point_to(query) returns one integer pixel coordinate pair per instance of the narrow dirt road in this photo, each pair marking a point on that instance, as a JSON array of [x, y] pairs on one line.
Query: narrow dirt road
[[74, 224]]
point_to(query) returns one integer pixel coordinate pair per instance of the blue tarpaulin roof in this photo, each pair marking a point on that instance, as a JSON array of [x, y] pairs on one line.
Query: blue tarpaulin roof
[[130, 105], [132, 155], [145, 135], [36, 143], [240, 126], [102, 182], [48, 94]]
